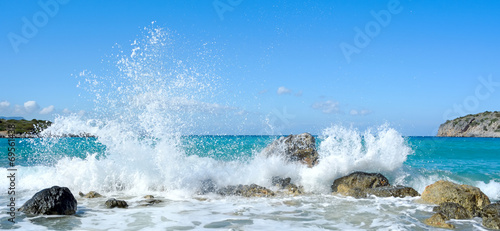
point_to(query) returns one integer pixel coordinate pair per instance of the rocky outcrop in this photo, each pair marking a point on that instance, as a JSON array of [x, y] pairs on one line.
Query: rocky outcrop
[[362, 184], [51, 201], [295, 148], [471, 198], [252, 190], [114, 203], [491, 216], [486, 124]]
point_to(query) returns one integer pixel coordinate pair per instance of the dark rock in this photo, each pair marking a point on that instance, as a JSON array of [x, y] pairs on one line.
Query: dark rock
[[91, 194], [51, 201], [150, 202], [295, 148], [114, 203], [252, 190], [281, 182], [392, 191], [471, 198], [438, 220], [491, 222], [452, 211], [359, 180], [207, 186], [491, 216], [491, 210]]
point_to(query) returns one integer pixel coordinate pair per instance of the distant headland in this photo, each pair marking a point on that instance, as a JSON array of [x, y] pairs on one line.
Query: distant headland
[[486, 124], [22, 128]]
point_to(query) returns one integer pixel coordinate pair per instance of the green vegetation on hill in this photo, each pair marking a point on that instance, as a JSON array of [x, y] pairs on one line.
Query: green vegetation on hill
[[25, 126], [485, 124]]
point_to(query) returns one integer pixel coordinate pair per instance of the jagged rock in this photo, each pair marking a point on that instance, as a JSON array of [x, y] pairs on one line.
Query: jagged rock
[[438, 220], [114, 203], [91, 194], [491, 216], [281, 182], [252, 190], [452, 211], [51, 201], [359, 180], [294, 190], [392, 191], [295, 148], [470, 197]]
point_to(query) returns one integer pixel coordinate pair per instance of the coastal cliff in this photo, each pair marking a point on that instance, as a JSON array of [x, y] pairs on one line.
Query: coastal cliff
[[486, 124]]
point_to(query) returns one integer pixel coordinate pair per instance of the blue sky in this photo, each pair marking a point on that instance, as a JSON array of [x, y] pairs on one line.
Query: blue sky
[[302, 65]]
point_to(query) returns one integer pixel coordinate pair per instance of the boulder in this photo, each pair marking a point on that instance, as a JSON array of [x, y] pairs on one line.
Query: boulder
[[91, 194], [114, 203], [491, 216], [438, 220], [51, 201], [392, 191], [295, 148], [452, 211], [359, 180], [252, 190], [471, 198]]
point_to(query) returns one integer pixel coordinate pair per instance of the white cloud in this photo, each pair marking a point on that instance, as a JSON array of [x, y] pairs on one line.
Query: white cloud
[[4, 104], [31, 106], [263, 92], [298, 94], [327, 107], [359, 112], [283, 90], [66, 111], [47, 110]]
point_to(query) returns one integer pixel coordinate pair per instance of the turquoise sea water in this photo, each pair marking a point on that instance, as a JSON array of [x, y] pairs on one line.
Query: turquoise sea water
[[85, 164]]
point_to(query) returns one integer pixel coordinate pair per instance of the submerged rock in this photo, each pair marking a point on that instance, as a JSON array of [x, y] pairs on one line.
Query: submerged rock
[[491, 216], [91, 194], [207, 186], [452, 211], [362, 184], [392, 191], [252, 190], [114, 203], [51, 201], [295, 148], [438, 220], [470, 197]]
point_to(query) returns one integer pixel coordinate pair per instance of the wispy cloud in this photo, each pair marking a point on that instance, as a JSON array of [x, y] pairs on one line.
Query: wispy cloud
[[327, 107], [47, 110], [355, 112], [283, 90], [298, 94], [263, 92]]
